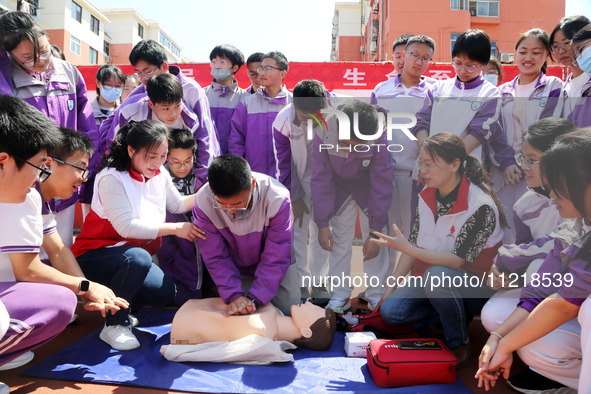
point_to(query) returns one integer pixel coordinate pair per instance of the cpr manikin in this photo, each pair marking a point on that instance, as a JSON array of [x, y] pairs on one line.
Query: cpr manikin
[[201, 331]]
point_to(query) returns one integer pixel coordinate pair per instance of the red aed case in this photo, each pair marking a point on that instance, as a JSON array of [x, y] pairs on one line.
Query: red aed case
[[410, 362]]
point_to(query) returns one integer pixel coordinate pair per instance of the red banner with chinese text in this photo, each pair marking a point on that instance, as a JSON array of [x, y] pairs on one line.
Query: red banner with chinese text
[[335, 76]]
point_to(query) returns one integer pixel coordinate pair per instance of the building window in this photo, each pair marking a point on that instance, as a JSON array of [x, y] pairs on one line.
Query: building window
[[76, 12], [93, 56], [107, 49], [167, 43], [75, 45], [140, 30], [94, 25], [494, 50], [454, 37], [484, 8], [459, 4]]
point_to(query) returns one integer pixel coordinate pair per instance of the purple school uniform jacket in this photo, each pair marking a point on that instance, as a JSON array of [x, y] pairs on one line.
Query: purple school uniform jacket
[[257, 243], [193, 96], [5, 79], [223, 100], [65, 102], [251, 132], [140, 110], [559, 267], [366, 176]]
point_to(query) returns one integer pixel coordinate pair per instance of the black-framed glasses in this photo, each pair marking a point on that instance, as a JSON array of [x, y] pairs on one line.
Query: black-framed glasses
[[45, 172], [261, 69], [85, 172], [524, 162]]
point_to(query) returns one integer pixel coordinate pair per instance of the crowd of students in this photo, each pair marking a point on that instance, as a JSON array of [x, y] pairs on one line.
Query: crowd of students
[[242, 193]]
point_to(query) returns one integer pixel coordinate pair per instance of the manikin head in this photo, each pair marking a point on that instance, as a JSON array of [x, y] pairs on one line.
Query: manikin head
[[316, 324]]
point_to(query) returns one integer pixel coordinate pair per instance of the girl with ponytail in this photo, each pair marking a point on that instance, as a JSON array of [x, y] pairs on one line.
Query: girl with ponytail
[[530, 96], [456, 233], [126, 224]]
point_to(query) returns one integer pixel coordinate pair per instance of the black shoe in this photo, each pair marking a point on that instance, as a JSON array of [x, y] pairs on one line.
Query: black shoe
[[529, 381], [462, 352]]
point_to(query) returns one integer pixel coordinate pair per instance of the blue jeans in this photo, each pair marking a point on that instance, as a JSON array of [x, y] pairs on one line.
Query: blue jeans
[[444, 302], [131, 274]]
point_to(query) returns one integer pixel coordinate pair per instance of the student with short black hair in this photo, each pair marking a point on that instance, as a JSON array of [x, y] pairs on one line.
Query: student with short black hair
[[224, 94], [40, 299], [405, 94], [109, 85], [178, 257], [149, 60], [246, 217], [469, 106], [294, 156], [251, 133], [165, 103], [252, 63]]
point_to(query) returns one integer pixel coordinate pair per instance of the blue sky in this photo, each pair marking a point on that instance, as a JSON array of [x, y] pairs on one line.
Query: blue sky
[[301, 29]]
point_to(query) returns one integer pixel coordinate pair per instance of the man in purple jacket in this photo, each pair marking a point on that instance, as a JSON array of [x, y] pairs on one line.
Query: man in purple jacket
[[247, 220], [149, 59]]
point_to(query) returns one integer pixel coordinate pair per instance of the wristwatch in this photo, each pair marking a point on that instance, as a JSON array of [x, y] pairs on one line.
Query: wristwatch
[[254, 301], [84, 286]]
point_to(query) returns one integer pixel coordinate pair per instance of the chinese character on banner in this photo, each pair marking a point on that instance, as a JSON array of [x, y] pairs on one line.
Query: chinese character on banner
[[187, 72], [440, 74], [355, 76], [392, 74]]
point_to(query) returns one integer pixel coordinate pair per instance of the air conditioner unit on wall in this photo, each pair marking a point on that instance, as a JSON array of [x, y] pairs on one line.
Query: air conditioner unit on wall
[[507, 57]]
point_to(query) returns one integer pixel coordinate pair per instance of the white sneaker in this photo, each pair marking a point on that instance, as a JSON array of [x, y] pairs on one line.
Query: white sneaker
[[133, 320], [18, 362], [372, 303], [339, 305], [119, 337]]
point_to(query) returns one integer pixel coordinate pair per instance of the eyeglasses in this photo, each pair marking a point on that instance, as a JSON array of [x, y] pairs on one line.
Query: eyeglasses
[[468, 67], [220, 64], [557, 47], [423, 59], [145, 75], [424, 166], [524, 162], [234, 207], [45, 172], [30, 62], [580, 48], [253, 74], [266, 69], [180, 164], [85, 172]]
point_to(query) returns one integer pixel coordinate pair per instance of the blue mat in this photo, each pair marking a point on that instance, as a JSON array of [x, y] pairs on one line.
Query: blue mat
[[91, 360]]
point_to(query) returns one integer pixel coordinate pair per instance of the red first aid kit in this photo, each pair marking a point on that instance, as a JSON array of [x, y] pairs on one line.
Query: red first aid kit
[[410, 362]]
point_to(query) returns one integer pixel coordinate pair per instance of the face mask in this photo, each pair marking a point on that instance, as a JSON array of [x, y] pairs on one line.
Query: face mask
[[492, 78], [221, 74], [110, 94], [584, 60]]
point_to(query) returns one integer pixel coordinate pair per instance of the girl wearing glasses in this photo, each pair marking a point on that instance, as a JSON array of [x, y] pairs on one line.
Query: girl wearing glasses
[[126, 222], [530, 96], [581, 47], [549, 325], [456, 233], [54, 87], [562, 52]]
